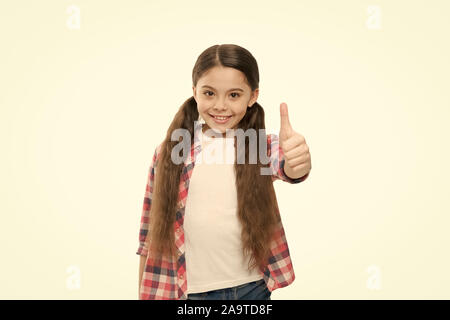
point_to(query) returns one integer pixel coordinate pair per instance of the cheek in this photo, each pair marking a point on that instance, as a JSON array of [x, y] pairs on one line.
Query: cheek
[[202, 108], [240, 112]]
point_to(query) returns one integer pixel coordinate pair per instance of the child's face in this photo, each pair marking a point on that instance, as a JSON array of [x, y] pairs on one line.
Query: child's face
[[223, 91]]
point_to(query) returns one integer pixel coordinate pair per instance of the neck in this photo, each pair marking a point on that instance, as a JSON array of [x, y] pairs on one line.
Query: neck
[[206, 127]]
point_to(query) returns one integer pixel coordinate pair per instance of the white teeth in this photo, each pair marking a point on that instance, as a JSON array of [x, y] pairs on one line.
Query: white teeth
[[221, 118]]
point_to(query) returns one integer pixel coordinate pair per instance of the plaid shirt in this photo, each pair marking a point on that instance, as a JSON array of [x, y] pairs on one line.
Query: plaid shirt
[[166, 279]]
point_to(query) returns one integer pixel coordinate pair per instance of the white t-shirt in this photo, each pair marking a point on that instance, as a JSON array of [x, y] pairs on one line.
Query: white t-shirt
[[214, 258]]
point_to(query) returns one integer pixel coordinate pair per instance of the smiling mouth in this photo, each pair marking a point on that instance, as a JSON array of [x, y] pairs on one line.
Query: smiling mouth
[[220, 117]]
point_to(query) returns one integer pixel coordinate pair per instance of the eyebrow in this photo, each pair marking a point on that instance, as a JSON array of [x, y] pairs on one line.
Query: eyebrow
[[239, 89]]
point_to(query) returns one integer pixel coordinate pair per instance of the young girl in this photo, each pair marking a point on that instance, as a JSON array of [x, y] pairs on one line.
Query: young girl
[[213, 230]]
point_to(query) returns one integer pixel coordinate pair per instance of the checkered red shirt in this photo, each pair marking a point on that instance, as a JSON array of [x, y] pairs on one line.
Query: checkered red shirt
[[166, 280]]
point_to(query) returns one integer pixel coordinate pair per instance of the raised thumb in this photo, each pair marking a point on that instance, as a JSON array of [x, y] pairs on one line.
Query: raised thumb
[[285, 127]]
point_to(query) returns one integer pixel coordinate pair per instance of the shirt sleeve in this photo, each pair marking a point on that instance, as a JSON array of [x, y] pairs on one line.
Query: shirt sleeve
[[143, 231], [277, 161]]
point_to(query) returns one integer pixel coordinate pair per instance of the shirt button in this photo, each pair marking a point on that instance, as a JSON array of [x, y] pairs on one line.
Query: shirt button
[[181, 277]]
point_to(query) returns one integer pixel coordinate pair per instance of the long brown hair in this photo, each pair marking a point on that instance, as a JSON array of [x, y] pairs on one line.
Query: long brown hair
[[257, 205]]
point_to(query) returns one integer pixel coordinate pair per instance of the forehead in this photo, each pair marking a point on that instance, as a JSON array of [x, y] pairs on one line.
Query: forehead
[[223, 78]]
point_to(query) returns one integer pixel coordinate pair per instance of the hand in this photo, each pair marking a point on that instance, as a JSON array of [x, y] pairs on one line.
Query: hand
[[296, 151]]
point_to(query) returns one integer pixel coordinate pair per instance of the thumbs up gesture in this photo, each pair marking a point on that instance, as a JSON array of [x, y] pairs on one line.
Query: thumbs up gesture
[[296, 151]]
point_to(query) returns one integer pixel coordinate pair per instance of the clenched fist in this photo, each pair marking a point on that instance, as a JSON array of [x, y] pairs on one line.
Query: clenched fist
[[296, 151]]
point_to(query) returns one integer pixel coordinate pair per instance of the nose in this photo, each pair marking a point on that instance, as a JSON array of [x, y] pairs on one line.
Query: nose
[[220, 107]]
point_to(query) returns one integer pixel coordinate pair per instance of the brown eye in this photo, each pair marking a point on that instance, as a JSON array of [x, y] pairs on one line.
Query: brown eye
[[206, 93], [237, 94]]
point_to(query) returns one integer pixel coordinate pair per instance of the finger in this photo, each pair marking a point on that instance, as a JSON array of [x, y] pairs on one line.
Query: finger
[[297, 161], [295, 152], [294, 141], [301, 166], [284, 116]]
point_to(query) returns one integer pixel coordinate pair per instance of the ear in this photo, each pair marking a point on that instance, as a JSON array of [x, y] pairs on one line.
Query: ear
[[254, 97]]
